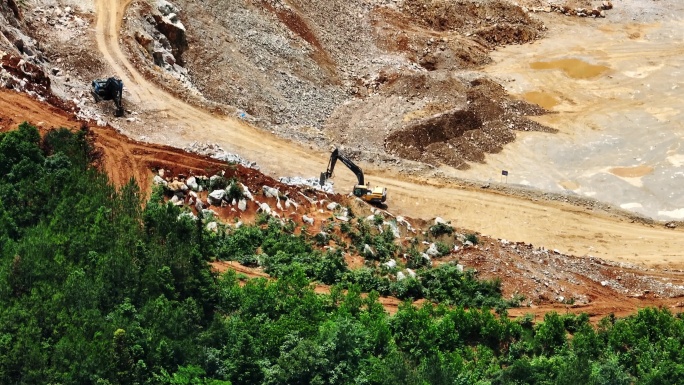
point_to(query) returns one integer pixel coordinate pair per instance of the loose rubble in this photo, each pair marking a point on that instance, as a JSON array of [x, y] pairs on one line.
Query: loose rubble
[[217, 152], [311, 182]]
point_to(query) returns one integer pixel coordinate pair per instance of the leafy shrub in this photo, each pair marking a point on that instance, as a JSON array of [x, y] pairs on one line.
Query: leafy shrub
[[217, 182], [447, 284], [241, 242], [289, 226], [415, 259], [275, 240], [367, 280], [331, 268], [345, 228], [384, 245], [443, 248], [407, 288], [472, 237], [362, 235], [282, 264], [440, 229], [235, 191], [550, 335], [350, 213], [516, 300], [320, 239], [261, 218], [248, 260]]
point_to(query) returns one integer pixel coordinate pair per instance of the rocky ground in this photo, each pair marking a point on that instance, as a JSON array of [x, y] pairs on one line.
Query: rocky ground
[[376, 73], [395, 82]]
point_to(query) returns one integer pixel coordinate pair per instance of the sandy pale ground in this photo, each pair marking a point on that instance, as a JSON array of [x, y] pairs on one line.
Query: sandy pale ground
[[617, 92], [554, 225]]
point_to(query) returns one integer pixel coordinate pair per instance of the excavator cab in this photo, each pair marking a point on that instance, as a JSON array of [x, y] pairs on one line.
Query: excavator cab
[[360, 191], [109, 89], [377, 195]]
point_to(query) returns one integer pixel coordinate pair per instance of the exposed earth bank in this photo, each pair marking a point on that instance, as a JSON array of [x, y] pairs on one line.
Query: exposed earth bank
[[548, 279]]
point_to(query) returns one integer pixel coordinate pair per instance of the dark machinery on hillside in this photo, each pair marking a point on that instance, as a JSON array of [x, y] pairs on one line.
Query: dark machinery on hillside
[[377, 195], [109, 89]]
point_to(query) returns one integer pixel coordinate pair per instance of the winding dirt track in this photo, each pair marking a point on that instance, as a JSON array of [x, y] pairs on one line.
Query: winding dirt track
[[564, 227]]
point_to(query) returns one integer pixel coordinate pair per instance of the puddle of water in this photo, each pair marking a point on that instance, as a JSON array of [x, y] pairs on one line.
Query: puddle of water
[[574, 68], [541, 98], [631, 172]]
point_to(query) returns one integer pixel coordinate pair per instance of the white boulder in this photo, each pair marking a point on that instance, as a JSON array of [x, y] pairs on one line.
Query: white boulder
[[216, 196]]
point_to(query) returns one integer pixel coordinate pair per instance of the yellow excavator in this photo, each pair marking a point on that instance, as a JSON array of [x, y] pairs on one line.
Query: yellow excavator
[[376, 196]]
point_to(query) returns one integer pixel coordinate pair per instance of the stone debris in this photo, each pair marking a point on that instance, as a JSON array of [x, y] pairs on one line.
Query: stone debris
[[217, 152], [212, 226], [247, 193], [242, 205], [432, 251], [265, 208], [311, 182], [394, 228], [307, 219], [271, 192], [290, 203], [216, 197], [391, 264], [192, 183]]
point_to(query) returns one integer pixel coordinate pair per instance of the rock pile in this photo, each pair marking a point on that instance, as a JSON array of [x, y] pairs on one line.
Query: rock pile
[[311, 182], [217, 152], [581, 12], [162, 39], [543, 275]]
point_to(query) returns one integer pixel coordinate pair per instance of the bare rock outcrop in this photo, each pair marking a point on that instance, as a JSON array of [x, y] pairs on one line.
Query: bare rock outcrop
[[161, 37]]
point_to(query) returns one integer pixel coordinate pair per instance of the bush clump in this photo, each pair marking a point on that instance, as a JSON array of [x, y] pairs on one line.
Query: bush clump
[[439, 229]]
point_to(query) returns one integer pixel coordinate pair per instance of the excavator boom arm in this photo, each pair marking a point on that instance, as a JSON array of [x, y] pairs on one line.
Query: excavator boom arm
[[347, 162]]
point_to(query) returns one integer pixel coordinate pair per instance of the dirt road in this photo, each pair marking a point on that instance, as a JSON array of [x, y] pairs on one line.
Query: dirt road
[[554, 225]]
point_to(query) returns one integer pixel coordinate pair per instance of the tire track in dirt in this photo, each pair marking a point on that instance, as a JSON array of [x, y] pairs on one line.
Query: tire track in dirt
[[555, 225]]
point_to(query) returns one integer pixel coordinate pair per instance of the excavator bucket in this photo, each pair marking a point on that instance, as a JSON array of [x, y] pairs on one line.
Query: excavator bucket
[[109, 89], [119, 112]]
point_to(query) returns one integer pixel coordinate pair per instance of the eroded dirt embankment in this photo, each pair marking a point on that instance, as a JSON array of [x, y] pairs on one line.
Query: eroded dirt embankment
[[544, 277]]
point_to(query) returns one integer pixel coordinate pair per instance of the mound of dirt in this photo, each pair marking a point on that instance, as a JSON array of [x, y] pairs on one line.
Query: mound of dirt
[[459, 136]]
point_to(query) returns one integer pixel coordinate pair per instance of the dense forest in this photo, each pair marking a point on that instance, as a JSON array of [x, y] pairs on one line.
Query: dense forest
[[98, 287]]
